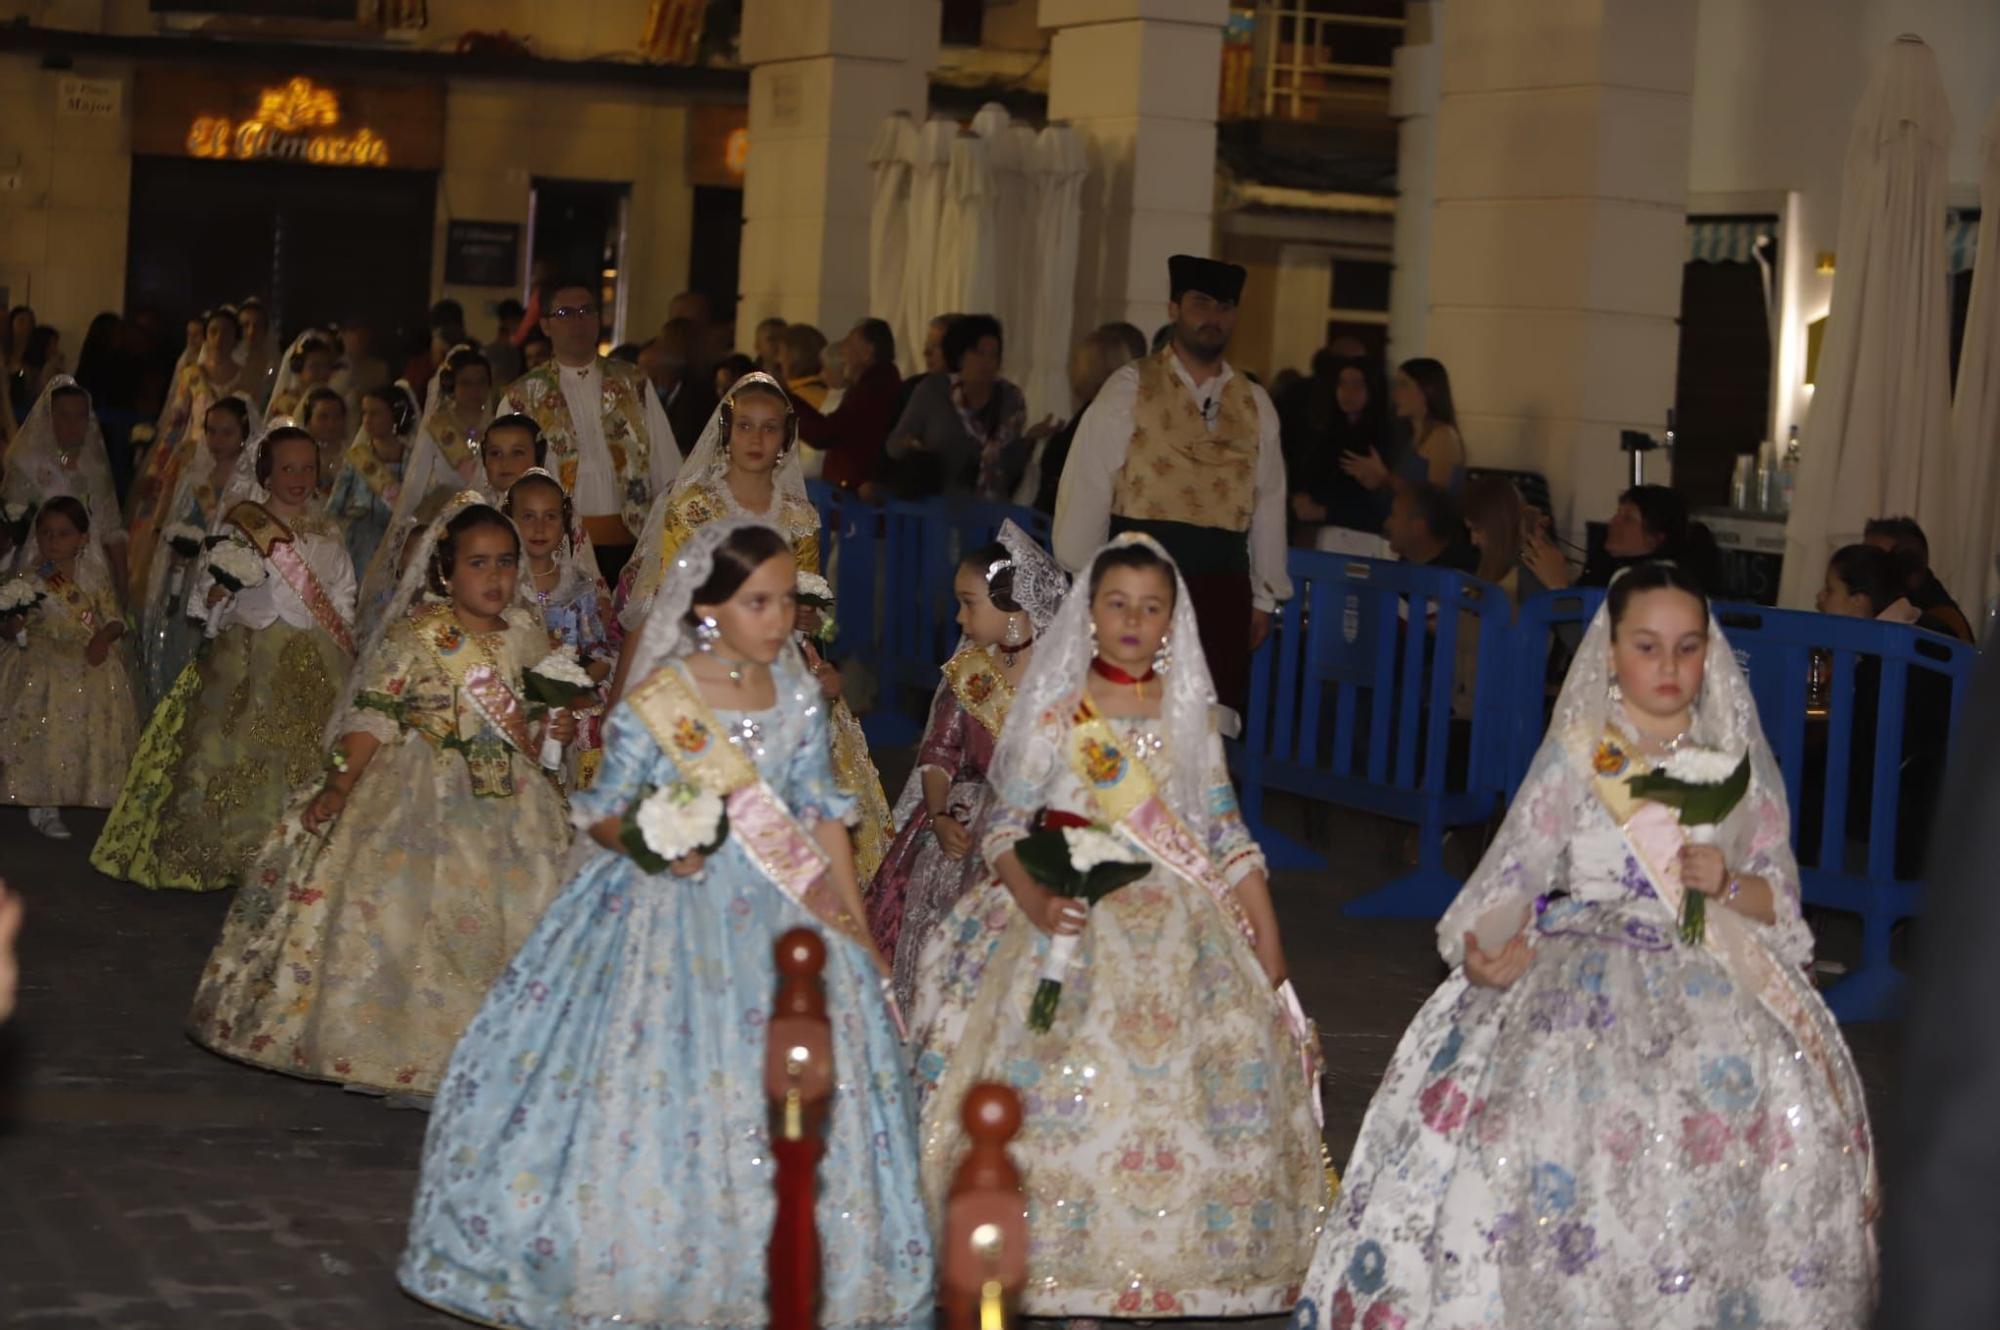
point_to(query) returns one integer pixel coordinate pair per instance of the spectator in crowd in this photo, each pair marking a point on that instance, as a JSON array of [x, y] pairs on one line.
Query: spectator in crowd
[[536, 349], [1650, 522], [851, 434], [1498, 522], [1869, 582], [768, 342], [627, 352], [1341, 412], [21, 325], [800, 349], [961, 434], [106, 367], [684, 393], [1161, 336], [933, 353], [540, 273], [1102, 352], [708, 341], [447, 329], [41, 360], [360, 368], [1424, 527], [503, 353], [731, 368], [1432, 452], [1902, 538]]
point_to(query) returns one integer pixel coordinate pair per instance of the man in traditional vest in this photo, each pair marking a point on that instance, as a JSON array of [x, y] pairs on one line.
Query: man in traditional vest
[[608, 437], [1181, 447]]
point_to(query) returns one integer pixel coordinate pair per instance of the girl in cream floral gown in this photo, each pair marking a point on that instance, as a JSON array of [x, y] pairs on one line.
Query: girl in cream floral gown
[[746, 465], [1593, 1122], [68, 721], [241, 728], [1169, 1140], [374, 920]]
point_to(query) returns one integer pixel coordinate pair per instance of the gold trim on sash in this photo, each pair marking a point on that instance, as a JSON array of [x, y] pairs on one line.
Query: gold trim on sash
[[374, 472], [278, 545], [260, 524], [982, 692], [689, 733]]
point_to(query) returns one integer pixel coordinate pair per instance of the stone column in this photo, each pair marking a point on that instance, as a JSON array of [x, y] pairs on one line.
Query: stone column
[[1138, 80], [1558, 235], [823, 74], [1413, 101]]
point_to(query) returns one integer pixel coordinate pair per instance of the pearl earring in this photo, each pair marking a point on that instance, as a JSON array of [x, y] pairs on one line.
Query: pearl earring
[[1013, 631], [706, 632], [1163, 659], [1093, 639], [1617, 693]]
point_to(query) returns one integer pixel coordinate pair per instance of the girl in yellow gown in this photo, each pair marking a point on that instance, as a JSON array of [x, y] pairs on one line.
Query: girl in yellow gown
[[395, 892], [240, 728], [747, 465]]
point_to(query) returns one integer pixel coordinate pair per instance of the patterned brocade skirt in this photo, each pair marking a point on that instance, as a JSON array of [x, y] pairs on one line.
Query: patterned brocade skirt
[[236, 734]]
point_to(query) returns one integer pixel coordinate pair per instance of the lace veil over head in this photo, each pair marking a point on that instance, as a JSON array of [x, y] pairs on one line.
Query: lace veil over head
[[707, 466], [35, 471], [1525, 859], [1026, 755], [287, 382], [665, 635], [576, 558]]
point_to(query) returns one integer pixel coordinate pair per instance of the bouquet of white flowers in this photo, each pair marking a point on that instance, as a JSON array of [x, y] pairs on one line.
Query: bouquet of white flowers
[[1702, 786], [19, 519], [237, 566], [672, 822], [20, 596], [1076, 860], [815, 591], [556, 681], [185, 539]]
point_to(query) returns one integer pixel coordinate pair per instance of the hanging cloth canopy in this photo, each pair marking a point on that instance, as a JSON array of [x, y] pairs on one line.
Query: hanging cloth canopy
[[1975, 414], [1878, 439]]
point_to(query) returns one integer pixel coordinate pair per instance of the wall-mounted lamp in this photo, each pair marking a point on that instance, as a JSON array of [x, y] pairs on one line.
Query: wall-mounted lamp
[[1823, 265]]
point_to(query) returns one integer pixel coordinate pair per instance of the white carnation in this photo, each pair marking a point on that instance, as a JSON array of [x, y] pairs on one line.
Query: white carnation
[[1701, 766], [236, 563], [18, 594], [562, 666], [14, 512], [675, 825], [1089, 847], [812, 584], [181, 533]]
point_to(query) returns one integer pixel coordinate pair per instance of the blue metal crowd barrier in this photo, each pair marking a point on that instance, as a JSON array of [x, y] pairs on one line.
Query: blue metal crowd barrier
[[1363, 697], [1901, 673], [1352, 701]]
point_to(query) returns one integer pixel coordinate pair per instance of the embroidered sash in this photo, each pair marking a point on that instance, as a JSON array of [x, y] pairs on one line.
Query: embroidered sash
[[453, 442], [374, 472], [483, 681], [1654, 837], [70, 594], [976, 683], [274, 540], [783, 851]]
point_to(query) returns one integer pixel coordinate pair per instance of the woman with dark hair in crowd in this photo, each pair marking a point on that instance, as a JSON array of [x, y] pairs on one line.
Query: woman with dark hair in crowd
[[1340, 413], [1650, 522], [41, 360], [1432, 452], [1102, 353], [961, 434]]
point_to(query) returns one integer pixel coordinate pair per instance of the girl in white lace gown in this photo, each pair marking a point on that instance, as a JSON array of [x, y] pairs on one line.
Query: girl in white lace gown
[[1592, 1122]]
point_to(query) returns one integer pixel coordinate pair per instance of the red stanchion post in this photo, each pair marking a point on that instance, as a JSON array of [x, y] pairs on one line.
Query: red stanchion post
[[984, 1266], [798, 1080]]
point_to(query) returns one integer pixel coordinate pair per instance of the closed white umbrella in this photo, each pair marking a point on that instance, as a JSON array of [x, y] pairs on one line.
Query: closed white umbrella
[[1011, 147], [930, 162], [966, 249], [1975, 413], [1058, 168], [1878, 439], [889, 163]]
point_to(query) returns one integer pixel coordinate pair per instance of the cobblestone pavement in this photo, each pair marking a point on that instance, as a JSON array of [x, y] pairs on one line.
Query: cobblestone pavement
[[147, 1185]]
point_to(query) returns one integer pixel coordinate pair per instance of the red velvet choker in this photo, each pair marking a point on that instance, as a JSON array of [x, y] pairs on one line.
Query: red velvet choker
[[1105, 669]]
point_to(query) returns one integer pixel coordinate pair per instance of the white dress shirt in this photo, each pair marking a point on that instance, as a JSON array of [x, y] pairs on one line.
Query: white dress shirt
[[599, 488], [272, 599], [1097, 453]]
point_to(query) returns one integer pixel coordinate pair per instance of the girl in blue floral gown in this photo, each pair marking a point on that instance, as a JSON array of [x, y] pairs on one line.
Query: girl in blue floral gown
[[599, 1152]]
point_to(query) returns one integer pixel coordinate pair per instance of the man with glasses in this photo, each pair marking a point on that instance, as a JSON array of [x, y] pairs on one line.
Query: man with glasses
[[608, 439]]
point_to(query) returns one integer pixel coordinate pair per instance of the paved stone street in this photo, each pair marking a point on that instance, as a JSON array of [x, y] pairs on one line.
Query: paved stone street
[[146, 1184]]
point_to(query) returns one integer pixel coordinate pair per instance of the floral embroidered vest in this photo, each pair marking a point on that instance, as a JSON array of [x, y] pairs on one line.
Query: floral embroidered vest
[[538, 394], [1177, 469]]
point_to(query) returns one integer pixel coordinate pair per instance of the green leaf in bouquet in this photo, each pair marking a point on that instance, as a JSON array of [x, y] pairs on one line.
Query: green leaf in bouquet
[[1698, 805], [634, 840], [1045, 854]]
